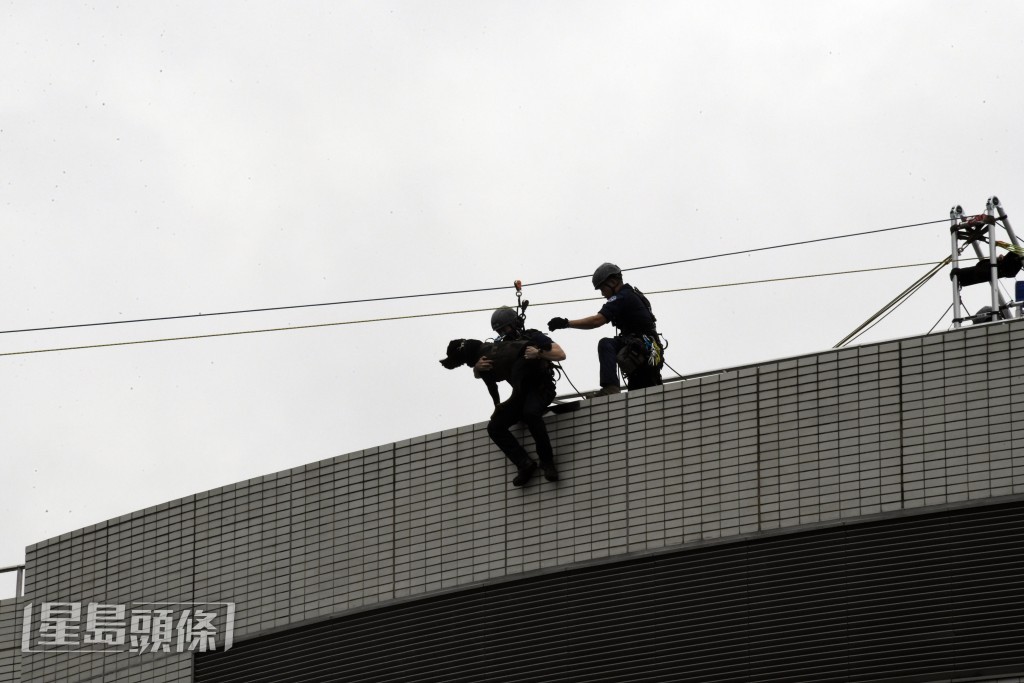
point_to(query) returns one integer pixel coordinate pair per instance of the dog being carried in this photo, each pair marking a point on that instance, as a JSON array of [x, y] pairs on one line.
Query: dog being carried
[[523, 359]]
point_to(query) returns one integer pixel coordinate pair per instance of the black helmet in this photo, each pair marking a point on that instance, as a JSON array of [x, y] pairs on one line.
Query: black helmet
[[605, 271], [504, 316]]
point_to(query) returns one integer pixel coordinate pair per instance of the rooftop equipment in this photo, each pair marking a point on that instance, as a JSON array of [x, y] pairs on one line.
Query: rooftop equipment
[[974, 231]]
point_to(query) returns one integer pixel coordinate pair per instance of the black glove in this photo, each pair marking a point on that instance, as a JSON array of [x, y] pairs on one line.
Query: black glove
[[558, 324]]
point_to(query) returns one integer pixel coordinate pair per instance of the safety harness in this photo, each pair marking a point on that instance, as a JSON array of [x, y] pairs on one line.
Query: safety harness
[[640, 349]]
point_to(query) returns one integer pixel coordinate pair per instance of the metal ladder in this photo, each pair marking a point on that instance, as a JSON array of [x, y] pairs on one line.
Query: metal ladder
[[974, 230]]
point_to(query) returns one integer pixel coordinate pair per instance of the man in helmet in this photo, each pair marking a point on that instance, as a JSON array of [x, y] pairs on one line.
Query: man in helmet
[[636, 348], [533, 390]]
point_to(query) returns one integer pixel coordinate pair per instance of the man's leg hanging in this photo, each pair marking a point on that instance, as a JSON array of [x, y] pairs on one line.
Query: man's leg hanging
[[506, 415], [534, 407]]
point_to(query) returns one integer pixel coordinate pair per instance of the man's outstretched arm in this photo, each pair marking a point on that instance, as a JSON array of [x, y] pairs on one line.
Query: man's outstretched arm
[[588, 323]]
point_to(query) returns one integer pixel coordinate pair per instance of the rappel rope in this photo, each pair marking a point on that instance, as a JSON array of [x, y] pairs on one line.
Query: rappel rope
[[434, 314], [894, 304], [521, 305], [1019, 251], [974, 222]]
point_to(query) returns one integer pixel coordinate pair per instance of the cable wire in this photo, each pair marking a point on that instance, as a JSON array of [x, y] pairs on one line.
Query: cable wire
[[567, 379], [459, 291], [894, 304], [889, 312], [948, 309], [440, 313], [790, 244], [678, 374]]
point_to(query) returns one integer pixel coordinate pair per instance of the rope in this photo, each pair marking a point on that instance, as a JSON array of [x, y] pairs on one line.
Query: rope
[[565, 374], [678, 374], [784, 279], [237, 333], [436, 314], [894, 304], [1019, 251], [459, 291], [948, 309]]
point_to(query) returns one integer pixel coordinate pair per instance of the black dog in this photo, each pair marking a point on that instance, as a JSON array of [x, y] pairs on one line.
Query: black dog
[[507, 362], [505, 357]]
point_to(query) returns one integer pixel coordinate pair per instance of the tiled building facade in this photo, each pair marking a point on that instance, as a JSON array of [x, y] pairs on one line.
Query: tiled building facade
[[809, 442]]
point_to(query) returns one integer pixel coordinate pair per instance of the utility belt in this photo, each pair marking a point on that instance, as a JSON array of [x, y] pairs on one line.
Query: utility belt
[[639, 351]]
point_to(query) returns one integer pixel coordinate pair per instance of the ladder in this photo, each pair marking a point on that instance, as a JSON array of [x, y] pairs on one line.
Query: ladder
[[973, 231]]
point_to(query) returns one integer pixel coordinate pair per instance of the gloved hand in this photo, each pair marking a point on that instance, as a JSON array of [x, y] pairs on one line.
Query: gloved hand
[[558, 324]]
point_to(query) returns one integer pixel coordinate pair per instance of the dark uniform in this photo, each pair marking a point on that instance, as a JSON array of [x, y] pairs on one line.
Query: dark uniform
[[533, 389], [630, 311]]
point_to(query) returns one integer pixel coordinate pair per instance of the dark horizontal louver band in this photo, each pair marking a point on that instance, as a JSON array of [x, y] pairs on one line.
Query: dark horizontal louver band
[[907, 599]]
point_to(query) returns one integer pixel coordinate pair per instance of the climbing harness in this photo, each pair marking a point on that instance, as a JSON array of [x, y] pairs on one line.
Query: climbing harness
[[639, 351]]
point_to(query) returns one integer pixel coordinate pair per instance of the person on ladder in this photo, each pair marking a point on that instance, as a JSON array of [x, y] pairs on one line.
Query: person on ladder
[[637, 349]]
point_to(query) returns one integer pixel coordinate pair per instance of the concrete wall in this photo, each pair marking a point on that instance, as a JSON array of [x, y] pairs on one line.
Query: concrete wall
[[10, 642], [817, 439]]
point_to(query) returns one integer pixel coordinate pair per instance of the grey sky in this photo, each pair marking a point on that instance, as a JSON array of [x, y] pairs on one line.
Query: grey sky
[[176, 158]]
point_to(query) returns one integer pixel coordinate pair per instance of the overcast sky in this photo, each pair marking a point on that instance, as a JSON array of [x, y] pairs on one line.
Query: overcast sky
[[174, 158]]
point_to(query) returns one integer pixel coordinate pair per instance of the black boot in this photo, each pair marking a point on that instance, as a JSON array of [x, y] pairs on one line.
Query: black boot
[[525, 473], [548, 468]]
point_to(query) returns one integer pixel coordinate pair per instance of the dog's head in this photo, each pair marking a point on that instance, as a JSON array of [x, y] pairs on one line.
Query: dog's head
[[461, 352]]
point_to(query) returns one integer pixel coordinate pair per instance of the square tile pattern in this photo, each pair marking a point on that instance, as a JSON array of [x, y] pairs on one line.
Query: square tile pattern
[[817, 439]]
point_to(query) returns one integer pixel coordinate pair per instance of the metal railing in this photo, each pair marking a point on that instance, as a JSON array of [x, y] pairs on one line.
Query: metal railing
[[19, 581]]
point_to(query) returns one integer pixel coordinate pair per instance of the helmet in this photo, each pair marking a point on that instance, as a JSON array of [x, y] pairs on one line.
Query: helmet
[[504, 316], [603, 272]]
